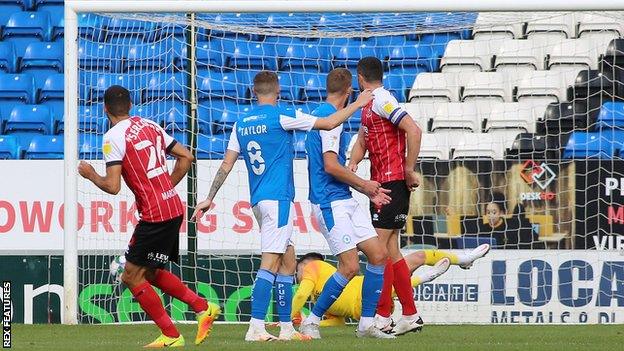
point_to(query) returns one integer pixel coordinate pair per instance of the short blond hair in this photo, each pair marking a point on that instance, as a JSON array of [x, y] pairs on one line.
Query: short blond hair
[[265, 83]]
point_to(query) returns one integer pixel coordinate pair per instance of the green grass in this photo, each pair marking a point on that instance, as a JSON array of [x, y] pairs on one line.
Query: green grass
[[230, 337]]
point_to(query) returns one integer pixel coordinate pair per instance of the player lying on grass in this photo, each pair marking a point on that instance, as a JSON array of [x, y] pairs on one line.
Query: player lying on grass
[[343, 221], [313, 273], [135, 149], [264, 137]]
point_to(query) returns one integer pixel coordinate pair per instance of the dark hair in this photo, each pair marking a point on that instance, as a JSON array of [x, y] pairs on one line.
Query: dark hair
[[499, 200], [371, 69], [339, 80], [117, 100], [311, 255], [265, 82]]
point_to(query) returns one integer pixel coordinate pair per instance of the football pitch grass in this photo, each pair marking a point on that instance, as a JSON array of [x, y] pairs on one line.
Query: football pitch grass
[[230, 337]]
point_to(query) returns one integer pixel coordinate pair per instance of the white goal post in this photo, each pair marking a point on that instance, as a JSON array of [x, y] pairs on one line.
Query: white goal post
[[75, 7]]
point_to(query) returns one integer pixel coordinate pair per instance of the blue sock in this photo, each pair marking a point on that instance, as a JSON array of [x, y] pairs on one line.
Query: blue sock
[[332, 289], [283, 296], [261, 294], [371, 289]]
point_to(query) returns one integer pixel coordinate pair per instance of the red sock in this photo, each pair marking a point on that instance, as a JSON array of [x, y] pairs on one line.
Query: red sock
[[151, 304], [403, 287], [384, 306], [171, 285]]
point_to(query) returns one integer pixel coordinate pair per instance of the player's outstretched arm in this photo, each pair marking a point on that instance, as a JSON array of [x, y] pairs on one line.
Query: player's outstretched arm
[[358, 152], [110, 183], [414, 136], [184, 159], [226, 166], [370, 188], [301, 296], [339, 117]]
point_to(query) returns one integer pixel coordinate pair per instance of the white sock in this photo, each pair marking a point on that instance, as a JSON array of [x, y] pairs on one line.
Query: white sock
[[286, 326], [365, 323], [463, 258], [314, 319], [257, 323]]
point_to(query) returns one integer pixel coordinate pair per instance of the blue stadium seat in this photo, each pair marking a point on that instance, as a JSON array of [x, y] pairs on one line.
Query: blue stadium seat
[[384, 42], [220, 85], [181, 137], [211, 146], [15, 89], [30, 119], [314, 87], [54, 7], [299, 139], [290, 85], [25, 27], [8, 60], [611, 115], [209, 54], [174, 119], [100, 57], [96, 85], [91, 27], [91, 119], [240, 54], [302, 56], [582, 145], [9, 147], [244, 81], [52, 94], [414, 55], [9, 7], [42, 60], [149, 57], [45, 147], [225, 19], [284, 20], [58, 29], [217, 116], [121, 31], [90, 147], [354, 122], [162, 86], [399, 84], [349, 55], [438, 41]]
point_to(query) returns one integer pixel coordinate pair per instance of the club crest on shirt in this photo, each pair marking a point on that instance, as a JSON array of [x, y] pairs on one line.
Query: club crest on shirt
[[346, 239]]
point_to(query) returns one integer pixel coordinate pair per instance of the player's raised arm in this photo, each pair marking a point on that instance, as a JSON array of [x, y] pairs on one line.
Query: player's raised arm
[[231, 155], [341, 116], [358, 152]]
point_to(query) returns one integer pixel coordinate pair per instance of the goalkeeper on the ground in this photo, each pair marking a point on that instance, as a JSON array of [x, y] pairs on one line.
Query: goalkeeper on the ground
[[313, 272]]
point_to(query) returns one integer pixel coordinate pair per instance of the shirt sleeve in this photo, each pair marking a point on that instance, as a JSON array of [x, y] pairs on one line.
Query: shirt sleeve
[[387, 106], [300, 121], [168, 139], [233, 142], [114, 149], [301, 296], [330, 139]]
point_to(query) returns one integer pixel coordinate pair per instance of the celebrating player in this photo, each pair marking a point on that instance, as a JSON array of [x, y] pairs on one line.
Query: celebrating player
[[344, 223], [264, 135], [313, 273], [135, 148], [386, 127]]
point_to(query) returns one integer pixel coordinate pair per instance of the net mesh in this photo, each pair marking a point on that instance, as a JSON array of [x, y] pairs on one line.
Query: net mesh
[[512, 107]]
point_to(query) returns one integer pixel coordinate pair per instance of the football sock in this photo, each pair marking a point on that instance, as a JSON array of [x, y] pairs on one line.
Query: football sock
[[171, 285], [384, 307], [261, 294], [151, 304], [331, 291], [371, 290], [403, 287], [283, 296], [433, 256]]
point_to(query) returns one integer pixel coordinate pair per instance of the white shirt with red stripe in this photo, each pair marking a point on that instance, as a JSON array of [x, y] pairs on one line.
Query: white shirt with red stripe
[[385, 142], [140, 147]]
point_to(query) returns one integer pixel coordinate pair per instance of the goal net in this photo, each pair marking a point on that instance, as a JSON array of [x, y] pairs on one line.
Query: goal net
[[523, 134]]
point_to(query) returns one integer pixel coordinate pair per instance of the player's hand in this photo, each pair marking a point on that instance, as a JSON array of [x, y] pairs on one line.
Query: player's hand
[[353, 167], [370, 188], [364, 98], [382, 198], [412, 180], [200, 209], [297, 319], [85, 170]]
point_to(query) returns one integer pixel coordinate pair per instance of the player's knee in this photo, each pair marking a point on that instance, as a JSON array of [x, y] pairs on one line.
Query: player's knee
[[379, 257], [350, 269]]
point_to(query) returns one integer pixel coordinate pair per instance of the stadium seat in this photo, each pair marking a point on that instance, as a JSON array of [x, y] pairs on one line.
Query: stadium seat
[[45, 147], [398, 84], [221, 115], [100, 57], [527, 146], [302, 56], [172, 118], [611, 116], [419, 56], [94, 85], [90, 146], [15, 89], [511, 115], [23, 28], [594, 83], [434, 146], [353, 123], [560, 119], [8, 60], [522, 53], [614, 55], [220, 85], [499, 25], [58, 29], [422, 112], [42, 60], [91, 27], [91, 119], [435, 87], [349, 55], [209, 54], [52, 94], [299, 139], [545, 86], [149, 58], [290, 85], [487, 86], [561, 26], [56, 8], [503, 138], [583, 145], [9, 147], [478, 145], [388, 41], [29, 119], [241, 54], [469, 55], [458, 116], [437, 41], [314, 87], [170, 87], [9, 7], [211, 146], [600, 27], [577, 53], [122, 31]]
